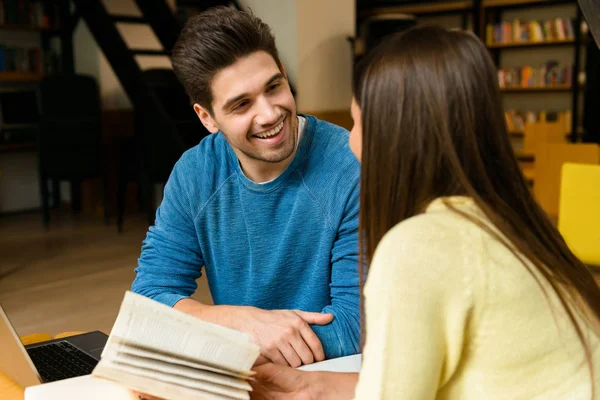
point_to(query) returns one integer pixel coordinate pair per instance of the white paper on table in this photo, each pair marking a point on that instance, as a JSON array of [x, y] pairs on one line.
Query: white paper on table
[[83, 387], [341, 364]]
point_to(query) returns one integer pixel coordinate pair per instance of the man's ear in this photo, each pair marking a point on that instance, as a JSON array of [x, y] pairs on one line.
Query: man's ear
[[207, 120], [283, 70]]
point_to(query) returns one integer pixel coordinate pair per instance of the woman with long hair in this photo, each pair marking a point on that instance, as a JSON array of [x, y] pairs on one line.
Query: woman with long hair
[[471, 291]]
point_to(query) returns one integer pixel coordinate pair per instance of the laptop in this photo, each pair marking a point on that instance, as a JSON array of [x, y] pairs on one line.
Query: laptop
[[47, 361]]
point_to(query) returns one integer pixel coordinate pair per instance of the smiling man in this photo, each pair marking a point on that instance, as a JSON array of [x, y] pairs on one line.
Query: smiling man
[[268, 203]]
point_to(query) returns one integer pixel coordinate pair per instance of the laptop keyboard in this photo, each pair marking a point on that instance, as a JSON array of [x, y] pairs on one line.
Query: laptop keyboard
[[60, 360]]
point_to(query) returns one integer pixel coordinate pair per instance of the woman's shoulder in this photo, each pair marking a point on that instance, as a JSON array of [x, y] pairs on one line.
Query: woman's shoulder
[[439, 250], [439, 242], [444, 220]]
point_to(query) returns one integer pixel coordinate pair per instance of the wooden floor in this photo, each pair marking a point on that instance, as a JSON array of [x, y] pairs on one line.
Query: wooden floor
[[71, 277]]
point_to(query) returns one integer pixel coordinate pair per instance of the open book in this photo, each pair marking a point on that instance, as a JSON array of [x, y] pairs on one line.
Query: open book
[[160, 351]]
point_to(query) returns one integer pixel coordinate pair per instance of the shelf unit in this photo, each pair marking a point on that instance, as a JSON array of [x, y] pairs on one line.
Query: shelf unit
[[492, 11], [19, 79], [481, 11]]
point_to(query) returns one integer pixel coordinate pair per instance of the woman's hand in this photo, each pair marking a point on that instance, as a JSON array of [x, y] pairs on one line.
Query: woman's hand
[[275, 382], [142, 396], [272, 382]]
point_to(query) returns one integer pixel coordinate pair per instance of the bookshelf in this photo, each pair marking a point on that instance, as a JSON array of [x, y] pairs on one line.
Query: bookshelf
[[557, 31], [27, 60], [31, 34], [549, 32], [551, 86]]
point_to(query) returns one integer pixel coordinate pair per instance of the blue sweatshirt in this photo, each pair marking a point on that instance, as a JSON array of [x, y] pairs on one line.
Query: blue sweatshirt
[[291, 243]]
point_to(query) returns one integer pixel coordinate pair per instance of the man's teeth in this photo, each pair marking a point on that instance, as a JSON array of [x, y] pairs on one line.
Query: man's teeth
[[272, 132]]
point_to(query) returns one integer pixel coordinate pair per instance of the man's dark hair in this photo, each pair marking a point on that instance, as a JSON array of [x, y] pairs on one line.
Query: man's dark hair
[[213, 40]]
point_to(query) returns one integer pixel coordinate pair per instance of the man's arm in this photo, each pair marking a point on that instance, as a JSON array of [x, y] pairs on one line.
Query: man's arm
[[342, 336], [171, 259]]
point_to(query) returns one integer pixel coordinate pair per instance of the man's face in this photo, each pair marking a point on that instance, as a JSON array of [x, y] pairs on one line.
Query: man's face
[[254, 109]]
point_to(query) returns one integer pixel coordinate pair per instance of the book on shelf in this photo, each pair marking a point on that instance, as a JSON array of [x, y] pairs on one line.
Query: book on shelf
[[533, 31], [29, 60], [514, 121], [517, 120], [41, 14], [157, 350], [548, 75]]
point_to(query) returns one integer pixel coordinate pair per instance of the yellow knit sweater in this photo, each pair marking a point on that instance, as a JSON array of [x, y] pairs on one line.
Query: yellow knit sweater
[[452, 314]]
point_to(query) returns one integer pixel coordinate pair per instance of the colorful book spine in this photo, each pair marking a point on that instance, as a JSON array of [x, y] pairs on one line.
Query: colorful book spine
[[532, 31]]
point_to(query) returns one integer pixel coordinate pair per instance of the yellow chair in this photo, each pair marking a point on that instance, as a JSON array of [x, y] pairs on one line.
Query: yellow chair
[[11, 390], [549, 159], [579, 210]]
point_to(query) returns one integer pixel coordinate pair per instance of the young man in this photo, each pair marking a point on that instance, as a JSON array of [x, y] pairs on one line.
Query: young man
[[268, 203]]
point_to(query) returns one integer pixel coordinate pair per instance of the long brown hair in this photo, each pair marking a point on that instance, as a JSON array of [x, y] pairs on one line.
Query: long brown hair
[[433, 126]]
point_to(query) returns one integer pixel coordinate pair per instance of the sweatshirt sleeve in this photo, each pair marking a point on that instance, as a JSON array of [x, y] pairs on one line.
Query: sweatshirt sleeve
[[171, 259], [342, 336]]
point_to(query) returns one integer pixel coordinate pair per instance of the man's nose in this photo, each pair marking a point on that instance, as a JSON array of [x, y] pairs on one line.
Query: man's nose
[[266, 115]]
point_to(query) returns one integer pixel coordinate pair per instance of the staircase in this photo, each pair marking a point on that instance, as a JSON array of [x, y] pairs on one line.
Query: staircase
[[102, 25]]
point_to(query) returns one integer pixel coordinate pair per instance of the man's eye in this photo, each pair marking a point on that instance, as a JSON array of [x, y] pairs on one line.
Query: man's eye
[[240, 106], [273, 87]]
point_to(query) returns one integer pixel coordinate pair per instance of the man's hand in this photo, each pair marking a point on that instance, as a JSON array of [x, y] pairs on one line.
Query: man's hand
[[272, 382], [284, 336]]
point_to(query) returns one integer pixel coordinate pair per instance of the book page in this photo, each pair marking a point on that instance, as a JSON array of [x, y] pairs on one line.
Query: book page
[[122, 348], [149, 324], [156, 386], [179, 370]]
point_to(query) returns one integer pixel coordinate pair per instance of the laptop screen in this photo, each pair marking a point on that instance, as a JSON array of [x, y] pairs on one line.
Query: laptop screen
[[14, 360]]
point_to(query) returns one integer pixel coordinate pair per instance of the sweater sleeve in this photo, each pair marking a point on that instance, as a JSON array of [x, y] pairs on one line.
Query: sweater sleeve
[[171, 260], [418, 303], [342, 336]]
